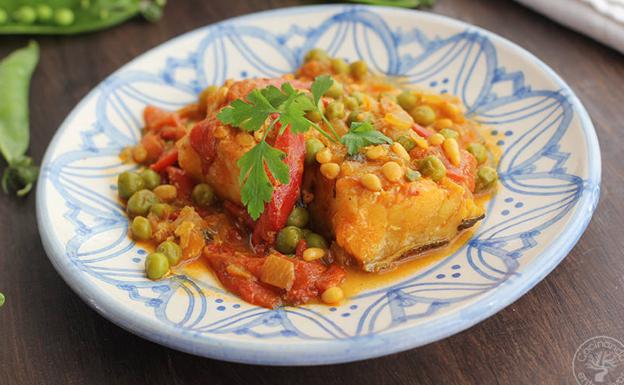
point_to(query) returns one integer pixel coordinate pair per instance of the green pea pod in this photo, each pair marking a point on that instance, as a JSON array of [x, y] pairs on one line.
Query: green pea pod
[[15, 73], [68, 17]]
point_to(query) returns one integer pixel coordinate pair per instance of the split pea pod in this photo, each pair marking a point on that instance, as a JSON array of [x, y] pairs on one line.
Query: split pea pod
[[67, 17], [15, 73]]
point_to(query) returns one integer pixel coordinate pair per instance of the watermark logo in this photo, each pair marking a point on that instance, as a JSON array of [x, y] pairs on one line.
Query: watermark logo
[[599, 361]]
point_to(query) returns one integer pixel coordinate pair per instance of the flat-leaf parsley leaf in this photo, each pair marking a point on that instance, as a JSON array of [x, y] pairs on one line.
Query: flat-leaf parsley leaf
[[257, 189], [362, 134]]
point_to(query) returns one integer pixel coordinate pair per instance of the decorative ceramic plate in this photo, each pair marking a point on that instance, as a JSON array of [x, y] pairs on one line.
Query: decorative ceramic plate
[[549, 170]]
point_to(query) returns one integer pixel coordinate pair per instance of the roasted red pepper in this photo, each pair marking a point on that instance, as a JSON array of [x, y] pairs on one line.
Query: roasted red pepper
[[154, 146], [156, 118], [285, 196], [167, 159], [239, 213], [422, 131], [311, 278], [203, 141], [248, 288], [301, 246]]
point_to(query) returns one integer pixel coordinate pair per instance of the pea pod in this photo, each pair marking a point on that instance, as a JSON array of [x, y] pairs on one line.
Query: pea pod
[[67, 17], [15, 73]]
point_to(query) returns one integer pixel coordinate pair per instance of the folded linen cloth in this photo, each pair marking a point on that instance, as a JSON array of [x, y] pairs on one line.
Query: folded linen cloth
[[603, 20]]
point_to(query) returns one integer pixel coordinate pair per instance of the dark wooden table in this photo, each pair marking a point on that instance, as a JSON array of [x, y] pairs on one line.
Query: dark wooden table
[[49, 336]]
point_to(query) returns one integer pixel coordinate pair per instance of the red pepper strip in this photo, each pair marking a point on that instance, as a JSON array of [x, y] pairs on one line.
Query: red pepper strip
[[333, 276], [239, 213], [249, 289], [182, 182], [285, 196], [166, 160], [172, 132], [301, 246], [311, 280], [156, 118], [422, 131], [154, 146], [203, 141], [304, 287]]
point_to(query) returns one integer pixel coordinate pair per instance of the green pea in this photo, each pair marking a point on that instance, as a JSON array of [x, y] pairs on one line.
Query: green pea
[[315, 240], [156, 265], [423, 115], [407, 100], [413, 175], [351, 103], [340, 66], [1, 299], [298, 217], [44, 13], [313, 146], [316, 54], [161, 210], [335, 91], [128, 183], [335, 110], [25, 15], [4, 17], [140, 202], [151, 178], [486, 178], [203, 195], [407, 142], [449, 134], [171, 250], [287, 239], [359, 69], [64, 17], [314, 116], [479, 151], [141, 228], [433, 168]]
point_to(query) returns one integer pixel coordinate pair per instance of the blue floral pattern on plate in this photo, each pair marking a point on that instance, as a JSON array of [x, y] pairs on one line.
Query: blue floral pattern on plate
[[549, 170]]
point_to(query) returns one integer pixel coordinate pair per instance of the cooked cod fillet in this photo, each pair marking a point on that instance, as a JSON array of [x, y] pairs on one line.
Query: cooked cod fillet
[[377, 229]]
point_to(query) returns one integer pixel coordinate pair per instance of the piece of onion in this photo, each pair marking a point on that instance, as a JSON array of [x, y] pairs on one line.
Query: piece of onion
[[278, 271]]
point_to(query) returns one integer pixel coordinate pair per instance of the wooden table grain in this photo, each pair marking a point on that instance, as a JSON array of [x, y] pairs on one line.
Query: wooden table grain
[[49, 336]]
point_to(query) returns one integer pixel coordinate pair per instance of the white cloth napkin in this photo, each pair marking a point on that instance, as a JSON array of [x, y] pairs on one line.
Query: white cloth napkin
[[601, 19]]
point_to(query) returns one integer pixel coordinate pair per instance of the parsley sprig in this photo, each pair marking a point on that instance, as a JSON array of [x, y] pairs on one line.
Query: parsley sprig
[[286, 106]]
